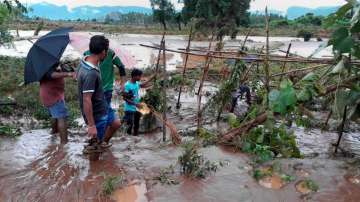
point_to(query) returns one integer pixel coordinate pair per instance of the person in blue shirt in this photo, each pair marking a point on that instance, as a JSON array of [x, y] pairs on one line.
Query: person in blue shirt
[[132, 101]]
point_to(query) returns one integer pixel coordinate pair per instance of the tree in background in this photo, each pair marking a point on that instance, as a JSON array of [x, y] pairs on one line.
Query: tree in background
[[220, 17], [188, 10], [178, 18], [163, 11], [9, 10]]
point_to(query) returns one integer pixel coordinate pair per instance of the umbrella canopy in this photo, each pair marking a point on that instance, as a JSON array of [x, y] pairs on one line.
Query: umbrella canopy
[[45, 53], [80, 42]]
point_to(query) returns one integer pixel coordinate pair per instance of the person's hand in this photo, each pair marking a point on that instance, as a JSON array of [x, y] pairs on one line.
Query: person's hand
[[92, 132], [139, 105]]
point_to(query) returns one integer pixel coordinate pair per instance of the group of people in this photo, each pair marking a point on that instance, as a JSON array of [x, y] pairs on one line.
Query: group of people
[[95, 77]]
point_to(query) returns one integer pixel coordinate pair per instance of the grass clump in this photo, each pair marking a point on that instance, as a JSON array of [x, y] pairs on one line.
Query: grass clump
[[193, 164], [111, 183]]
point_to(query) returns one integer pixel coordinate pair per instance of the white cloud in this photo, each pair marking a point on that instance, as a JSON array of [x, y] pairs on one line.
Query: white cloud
[[281, 5]]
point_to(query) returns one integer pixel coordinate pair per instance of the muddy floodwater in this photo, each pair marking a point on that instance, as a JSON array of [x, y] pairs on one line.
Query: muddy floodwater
[[145, 57], [34, 167]]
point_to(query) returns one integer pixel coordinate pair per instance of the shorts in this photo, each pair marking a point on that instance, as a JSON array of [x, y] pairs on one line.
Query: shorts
[[58, 110], [103, 122]]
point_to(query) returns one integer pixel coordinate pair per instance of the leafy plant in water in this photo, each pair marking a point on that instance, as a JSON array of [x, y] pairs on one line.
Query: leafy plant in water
[[311, 184], [284, 100], [165, 176], [266, 143], [10, 131], [154, 97], [223, 95], [193, 164], [111, 183], [207, 138]]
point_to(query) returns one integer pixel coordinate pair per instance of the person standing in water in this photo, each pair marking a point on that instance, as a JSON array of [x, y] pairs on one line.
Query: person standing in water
[[132, 101], [52, 96], [101, 122]]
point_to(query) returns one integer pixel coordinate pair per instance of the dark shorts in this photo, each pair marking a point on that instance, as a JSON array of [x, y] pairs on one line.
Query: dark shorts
[[58, 110], [103, 122]]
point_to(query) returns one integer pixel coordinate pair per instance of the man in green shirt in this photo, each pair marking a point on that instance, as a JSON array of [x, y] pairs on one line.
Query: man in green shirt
[[107, 73]]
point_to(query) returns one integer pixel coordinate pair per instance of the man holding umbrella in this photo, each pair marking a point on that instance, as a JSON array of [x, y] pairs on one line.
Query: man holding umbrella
[[52, 88], [42, 64], [100, 119]]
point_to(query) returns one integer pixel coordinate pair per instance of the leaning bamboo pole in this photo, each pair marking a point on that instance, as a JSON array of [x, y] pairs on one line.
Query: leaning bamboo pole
[[258, 59], [284, 65], [204, 76], [184, 69], [159, 56]]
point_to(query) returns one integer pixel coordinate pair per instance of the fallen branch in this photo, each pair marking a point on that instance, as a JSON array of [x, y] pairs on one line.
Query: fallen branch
[[245, 128]]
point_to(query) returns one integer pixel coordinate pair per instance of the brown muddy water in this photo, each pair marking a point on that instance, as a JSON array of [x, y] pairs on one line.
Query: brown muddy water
[[34, 167]]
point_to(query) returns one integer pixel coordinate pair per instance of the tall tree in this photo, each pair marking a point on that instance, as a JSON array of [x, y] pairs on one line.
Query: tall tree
[[163, 11], [9, 10], [188, 10], [178, 18], [223, 17]]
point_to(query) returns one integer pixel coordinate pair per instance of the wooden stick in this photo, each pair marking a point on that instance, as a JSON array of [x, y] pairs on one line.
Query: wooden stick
[[341, 129], [300, 70], [246, 38], [158, 59], [205, 72], [184, 69], [266, 62], [249, 60], [284, 65], [164, 92]]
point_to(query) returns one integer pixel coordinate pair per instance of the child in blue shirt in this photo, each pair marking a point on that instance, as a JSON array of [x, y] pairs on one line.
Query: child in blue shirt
[[132, 101]]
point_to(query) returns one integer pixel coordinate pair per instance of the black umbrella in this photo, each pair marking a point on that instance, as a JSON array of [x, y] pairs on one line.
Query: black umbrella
[[45, 53]]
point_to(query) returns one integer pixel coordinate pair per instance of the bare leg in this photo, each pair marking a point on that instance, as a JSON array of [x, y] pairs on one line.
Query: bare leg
[[111, 130], [54, 126], [62, 127]]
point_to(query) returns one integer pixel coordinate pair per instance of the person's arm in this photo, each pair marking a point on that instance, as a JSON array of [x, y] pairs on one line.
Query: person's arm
[[117, 62], [88, 112], [58, 75], [146, 84]]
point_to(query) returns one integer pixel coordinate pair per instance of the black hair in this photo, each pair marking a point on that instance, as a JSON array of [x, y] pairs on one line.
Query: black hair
[[98, 44], [136, 72]]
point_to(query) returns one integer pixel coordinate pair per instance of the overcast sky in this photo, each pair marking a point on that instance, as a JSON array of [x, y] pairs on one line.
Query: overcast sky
[[281, 5]]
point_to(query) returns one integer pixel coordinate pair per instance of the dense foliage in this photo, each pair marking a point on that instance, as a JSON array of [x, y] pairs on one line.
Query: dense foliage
[[163, 11]]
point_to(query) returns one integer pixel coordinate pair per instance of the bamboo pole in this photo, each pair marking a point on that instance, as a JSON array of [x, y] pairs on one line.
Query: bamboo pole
[[250, 60], [184, 69], [266, 62], [205, 72], [246, 38], [341, 129], [284, 65], [164, 117], [300, 70], [159, 56]]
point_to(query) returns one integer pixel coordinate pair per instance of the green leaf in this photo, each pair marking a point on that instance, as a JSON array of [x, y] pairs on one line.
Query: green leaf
[[283, 100], [341, 40], [310, 77]]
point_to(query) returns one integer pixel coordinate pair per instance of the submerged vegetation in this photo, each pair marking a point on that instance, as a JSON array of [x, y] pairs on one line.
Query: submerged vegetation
[[194, 164], [111, 183]]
